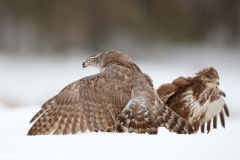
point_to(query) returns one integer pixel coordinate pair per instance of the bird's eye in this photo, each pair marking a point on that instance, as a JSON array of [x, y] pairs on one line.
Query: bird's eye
[[90, 60]]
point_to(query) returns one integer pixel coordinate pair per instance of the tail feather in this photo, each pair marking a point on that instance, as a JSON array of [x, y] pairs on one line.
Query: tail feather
[[208, 126], [140, 119], [137, 119], [222, 119], [175, 123], [202, 127], [226, 109]]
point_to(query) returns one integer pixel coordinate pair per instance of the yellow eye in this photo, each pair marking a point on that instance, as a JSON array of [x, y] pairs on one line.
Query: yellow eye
[[90, 60]]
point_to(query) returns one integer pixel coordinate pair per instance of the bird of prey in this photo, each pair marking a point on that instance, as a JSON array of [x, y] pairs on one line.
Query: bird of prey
[[118, 99], [196, 99]]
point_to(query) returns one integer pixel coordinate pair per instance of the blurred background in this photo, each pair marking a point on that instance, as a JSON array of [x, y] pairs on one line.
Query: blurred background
[[44, 42], [56, 26]]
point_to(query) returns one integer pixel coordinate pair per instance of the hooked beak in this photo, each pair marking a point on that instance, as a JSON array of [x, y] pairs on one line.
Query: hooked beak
[[85, 64], [217, 82]]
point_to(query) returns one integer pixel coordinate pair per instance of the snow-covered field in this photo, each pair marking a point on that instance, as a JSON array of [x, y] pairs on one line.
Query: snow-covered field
[[27, 82]]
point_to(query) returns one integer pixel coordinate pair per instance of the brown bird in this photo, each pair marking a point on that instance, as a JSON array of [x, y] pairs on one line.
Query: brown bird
[[119, 98], [196, 99]]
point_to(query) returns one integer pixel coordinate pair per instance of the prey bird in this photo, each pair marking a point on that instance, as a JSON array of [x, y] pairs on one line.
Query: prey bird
[[196, 99]]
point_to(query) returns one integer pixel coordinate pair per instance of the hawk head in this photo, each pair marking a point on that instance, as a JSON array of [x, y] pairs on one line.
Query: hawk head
[[101, 60], [93, 61], [208, 75]]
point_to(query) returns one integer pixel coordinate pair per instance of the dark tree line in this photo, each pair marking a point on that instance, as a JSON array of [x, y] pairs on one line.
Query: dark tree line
[[87, 23]]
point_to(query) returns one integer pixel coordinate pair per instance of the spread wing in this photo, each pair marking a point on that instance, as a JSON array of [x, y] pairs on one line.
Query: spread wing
[[215, 108], [145, 112], [92, 103]]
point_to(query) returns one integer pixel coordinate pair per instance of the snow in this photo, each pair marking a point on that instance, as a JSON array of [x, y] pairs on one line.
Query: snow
[[219, 144], [27, 82]]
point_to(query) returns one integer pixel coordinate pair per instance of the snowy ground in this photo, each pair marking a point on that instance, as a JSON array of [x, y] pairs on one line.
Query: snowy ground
[[27, 82]]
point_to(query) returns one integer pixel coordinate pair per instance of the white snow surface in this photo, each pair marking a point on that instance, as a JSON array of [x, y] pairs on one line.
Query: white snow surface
[[27, 82]]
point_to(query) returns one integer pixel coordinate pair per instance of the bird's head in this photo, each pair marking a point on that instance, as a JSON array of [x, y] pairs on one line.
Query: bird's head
[[93, 61], [209, 75], [100, 60]]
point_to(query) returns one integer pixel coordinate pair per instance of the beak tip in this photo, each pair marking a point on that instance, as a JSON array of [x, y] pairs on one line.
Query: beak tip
[[84, 64]]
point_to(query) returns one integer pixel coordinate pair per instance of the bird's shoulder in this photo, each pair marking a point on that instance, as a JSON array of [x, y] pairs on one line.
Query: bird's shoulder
[[178, 86]]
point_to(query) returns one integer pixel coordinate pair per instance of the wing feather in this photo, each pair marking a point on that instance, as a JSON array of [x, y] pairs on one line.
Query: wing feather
[[75, 125], [222, 119], [226, 109], [215, 121], [68, 127], [54, 120], [214, 109], [44, 108], [89, 103], [154, 114], [202, 127], [83, 121], [208, 126], [62, 122], [166, 91]]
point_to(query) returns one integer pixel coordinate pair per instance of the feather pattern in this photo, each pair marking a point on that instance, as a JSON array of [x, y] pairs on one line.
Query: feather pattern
[[80, 109], [119, 98], [196, 99], [145, 112]]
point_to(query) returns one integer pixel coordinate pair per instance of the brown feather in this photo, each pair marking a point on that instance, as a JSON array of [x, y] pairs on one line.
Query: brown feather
[[62, 122], [76, 122], [208, 126], [215, 121], [182, 82], [222, 119], [69, 122], [165, 91], [148, 79], [97, 102], [154, 115], [226, 110], [202, 127], [83, 121], [184, 94]]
